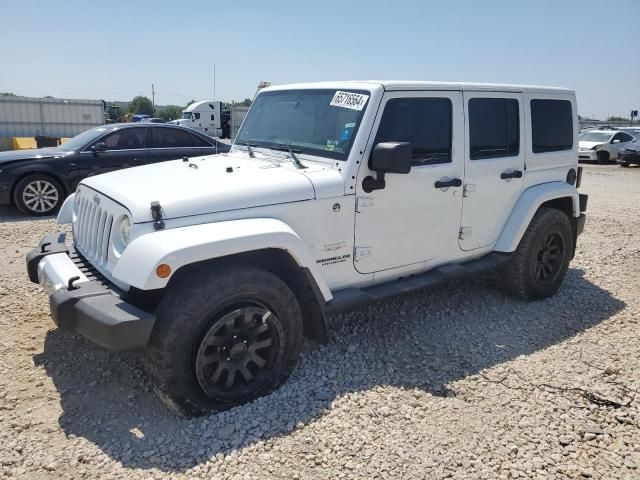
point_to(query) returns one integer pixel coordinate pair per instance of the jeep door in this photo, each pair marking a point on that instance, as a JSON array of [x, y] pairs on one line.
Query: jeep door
[[494, 165], [413, 219]]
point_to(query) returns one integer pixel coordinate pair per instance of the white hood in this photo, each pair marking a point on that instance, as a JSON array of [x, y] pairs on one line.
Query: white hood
[[219, 183]]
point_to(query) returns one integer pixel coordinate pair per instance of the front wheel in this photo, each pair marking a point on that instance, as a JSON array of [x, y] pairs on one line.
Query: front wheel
[[603, 157], [223, 338], [38, 195], [542, 258]]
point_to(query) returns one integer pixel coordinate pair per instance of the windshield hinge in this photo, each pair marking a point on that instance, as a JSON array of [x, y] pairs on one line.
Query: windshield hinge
[[157, 214], [465, 232], [361, 252], [363, 202]]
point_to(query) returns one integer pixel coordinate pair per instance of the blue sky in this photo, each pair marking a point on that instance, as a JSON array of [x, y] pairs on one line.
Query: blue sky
[[117, 49]]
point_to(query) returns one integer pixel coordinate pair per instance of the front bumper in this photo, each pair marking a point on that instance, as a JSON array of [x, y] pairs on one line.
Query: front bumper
[[81, 301], [591, 155], [583, 200], [629, 158]]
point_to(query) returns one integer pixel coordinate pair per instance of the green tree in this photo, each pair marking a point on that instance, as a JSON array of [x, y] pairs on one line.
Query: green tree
[[617, 119], [141, 104], [7, 94], [170, 112], [189, 103], [245, 103]]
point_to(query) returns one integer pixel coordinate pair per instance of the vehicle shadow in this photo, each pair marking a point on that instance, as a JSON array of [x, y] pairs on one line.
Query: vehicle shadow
[[10, 214], [420, 341]]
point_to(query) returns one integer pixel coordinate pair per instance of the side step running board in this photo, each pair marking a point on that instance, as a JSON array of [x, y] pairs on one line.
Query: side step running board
[[351, 298]]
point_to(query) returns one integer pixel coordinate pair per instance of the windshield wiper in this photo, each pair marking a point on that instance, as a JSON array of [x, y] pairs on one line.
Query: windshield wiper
[[293, 156], [251, 154]]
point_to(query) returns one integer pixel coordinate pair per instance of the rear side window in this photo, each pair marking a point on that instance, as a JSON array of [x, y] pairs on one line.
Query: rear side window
[[125, 139], [174, 138], [494, 128], [551, 125], [423, 122]]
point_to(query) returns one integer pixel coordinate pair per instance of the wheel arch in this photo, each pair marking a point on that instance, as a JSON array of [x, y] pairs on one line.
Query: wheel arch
[[265, 242], [558, 195], [280, 263]]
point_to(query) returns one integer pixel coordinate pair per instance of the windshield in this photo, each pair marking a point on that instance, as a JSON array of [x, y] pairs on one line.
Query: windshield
[[595, 137], [186, 115], [315, 122], [84, 138]]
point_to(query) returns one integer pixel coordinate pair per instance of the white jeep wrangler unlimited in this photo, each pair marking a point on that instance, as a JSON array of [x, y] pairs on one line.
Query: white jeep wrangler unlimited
[[334, 195]]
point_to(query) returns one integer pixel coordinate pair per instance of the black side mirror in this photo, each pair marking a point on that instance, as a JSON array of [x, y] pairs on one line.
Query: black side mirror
[[387, 157], [99, 147]]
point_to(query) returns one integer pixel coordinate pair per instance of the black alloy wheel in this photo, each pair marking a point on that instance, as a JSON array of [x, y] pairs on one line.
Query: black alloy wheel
[[237, 353], [550, 258]]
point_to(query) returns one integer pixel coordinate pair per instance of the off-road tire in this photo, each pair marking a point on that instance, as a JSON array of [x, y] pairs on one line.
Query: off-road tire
[[48, 184], [195, 301], [518, 277], [603, 157]]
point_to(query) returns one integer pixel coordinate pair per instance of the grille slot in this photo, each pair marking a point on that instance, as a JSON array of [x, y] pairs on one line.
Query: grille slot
[[93, 231]]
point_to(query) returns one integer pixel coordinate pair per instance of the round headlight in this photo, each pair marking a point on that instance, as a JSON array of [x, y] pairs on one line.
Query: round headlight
[[125, 230]]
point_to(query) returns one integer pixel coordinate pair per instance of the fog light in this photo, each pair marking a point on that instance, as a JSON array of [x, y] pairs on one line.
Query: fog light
[[163, 270]]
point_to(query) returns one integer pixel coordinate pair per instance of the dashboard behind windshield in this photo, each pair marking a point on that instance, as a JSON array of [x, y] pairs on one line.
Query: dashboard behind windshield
[[320, 122], [84, 138]]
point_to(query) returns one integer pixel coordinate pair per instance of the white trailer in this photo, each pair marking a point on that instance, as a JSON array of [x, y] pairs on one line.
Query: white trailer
[[205, 116], [54, 117]]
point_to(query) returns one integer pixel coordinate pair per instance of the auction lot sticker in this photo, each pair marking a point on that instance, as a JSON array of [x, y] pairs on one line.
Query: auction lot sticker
[[354, 101]]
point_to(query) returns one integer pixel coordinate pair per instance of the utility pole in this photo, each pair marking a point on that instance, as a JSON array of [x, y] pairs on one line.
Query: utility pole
[[214, 81], [153, 98]]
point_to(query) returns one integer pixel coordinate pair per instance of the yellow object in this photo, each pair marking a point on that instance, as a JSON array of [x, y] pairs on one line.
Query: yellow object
[[163, 270], [23, 143], [64, 140]]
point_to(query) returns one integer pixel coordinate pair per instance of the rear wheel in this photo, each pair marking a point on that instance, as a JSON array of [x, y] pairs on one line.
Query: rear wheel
[[223, 338], [38, 195], [542, 258]]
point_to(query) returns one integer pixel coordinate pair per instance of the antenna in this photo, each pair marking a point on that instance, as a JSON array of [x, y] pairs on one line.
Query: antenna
[[214, 81]]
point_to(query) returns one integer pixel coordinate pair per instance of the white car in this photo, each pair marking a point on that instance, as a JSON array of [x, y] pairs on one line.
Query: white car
[[334, 195], [602, 145]]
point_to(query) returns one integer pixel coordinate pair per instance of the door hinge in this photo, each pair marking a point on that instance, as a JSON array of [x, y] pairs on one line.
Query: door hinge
[[363, 202], [468, 188], [361, 252], [465, 232]]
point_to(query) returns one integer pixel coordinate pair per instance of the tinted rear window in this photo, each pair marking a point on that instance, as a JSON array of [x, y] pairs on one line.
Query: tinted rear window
[[551, 125], [494, 128]]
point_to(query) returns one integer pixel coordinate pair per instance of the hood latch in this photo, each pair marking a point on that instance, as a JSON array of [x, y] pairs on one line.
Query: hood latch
[[157, 214]]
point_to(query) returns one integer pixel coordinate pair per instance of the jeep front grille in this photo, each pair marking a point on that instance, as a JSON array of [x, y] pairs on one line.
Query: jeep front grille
[[93, 230]]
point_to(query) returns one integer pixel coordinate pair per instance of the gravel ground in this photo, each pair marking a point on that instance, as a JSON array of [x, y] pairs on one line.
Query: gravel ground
[[457, 382]]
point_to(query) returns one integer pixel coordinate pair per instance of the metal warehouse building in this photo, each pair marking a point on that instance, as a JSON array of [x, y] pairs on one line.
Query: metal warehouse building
[[29, 117]]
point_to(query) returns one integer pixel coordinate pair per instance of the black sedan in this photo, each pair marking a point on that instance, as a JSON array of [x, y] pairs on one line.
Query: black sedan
[[37, 181], [630, 154]]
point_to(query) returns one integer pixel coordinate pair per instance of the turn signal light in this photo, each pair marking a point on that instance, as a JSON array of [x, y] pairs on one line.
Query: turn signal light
[[163, 270]]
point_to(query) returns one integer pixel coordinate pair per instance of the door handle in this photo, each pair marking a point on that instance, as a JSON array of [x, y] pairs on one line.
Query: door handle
[[454, 182], [514, 174]]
